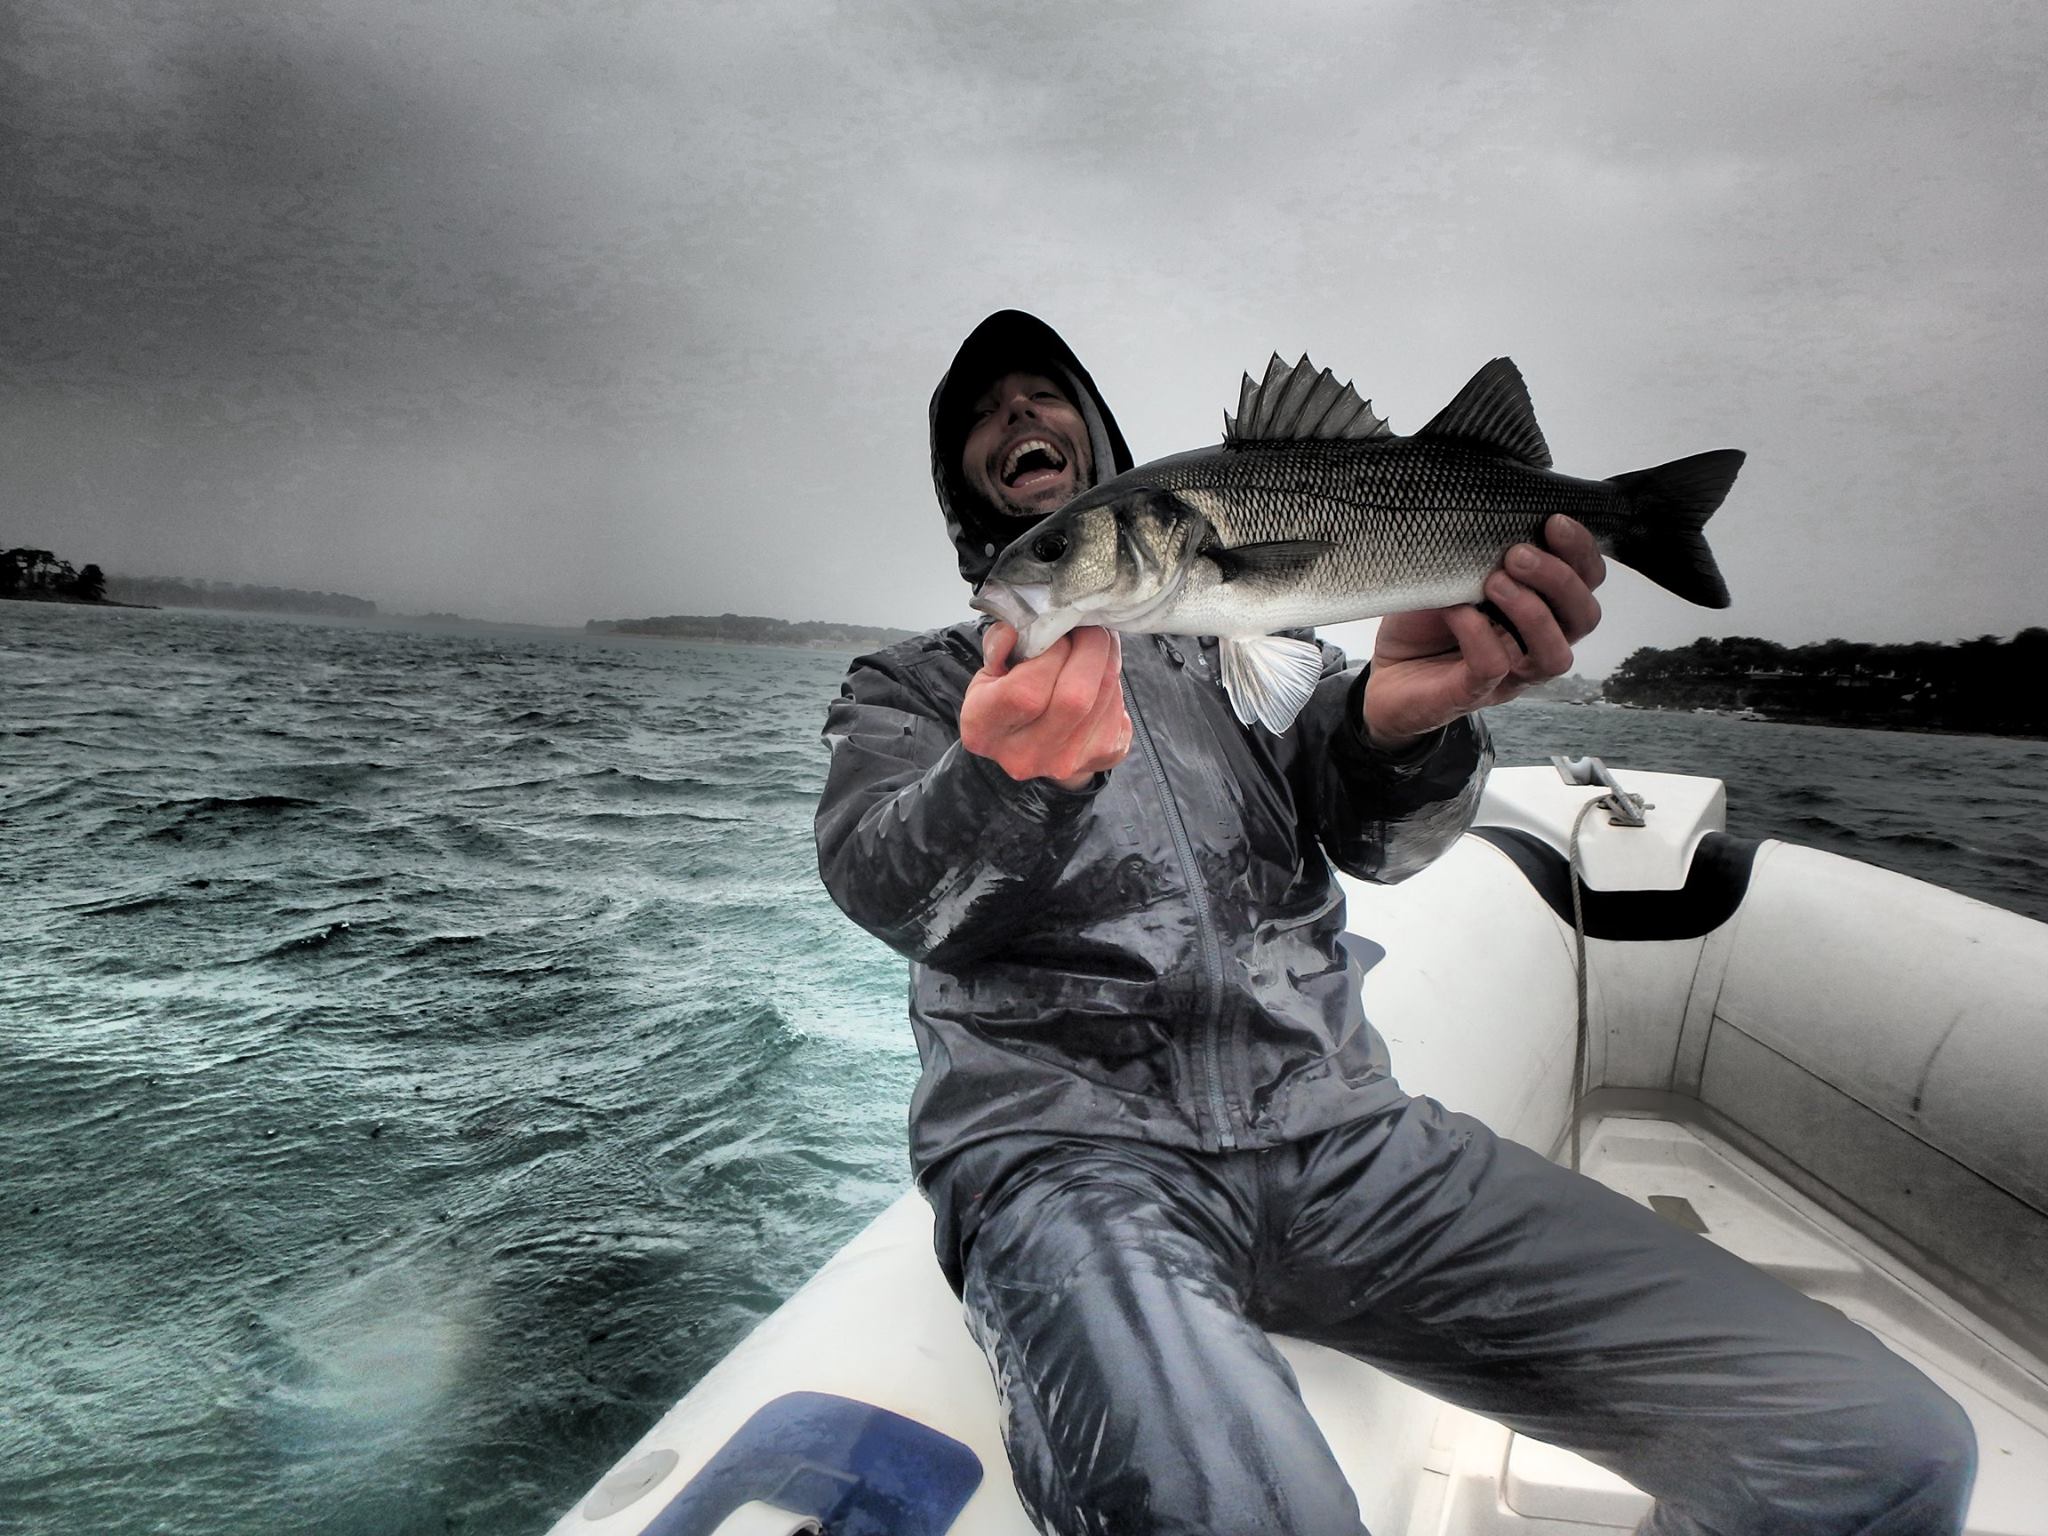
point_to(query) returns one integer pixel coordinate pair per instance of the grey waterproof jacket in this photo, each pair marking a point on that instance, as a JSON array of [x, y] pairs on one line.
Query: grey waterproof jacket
[[1156, 955]]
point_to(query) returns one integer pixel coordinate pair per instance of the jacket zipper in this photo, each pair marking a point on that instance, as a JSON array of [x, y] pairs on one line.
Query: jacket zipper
[[1205, 925]]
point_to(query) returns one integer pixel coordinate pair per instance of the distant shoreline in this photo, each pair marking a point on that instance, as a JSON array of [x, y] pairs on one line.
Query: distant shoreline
[[805, 635], [1753, 717], [815, 635], [754, 629], [1983, 687], [68, 600]]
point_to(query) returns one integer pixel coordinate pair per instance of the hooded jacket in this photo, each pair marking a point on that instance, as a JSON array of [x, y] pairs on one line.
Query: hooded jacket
[[1157, 954]]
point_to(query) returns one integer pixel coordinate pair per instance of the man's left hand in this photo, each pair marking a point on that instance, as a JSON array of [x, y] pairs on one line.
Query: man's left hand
[[1430, 668]]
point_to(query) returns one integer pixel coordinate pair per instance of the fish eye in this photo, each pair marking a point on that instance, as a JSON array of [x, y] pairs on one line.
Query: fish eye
[[1048, 547]]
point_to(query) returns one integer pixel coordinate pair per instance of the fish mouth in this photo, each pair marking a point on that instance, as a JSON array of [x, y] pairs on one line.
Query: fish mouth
[[1027, 609], [1015, 606]]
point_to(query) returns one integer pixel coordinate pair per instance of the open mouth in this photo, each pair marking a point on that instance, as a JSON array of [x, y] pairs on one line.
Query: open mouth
[[1030, 461], [1024, 608], [1015, 606]]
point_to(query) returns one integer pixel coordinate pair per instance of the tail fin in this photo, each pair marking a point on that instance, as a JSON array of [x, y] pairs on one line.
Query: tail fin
[[1665, 539]]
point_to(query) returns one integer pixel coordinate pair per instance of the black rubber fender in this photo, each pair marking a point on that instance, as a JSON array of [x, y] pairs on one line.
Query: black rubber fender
[[1714, 887]]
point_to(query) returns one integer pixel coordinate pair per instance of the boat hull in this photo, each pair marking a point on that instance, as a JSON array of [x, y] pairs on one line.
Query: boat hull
[[1837, 1070]]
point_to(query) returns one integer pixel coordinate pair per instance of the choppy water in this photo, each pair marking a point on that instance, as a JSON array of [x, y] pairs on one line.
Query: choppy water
[[423, 1054]]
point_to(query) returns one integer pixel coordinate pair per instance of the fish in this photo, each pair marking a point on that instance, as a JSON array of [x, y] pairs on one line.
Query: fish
[[1312, 510]]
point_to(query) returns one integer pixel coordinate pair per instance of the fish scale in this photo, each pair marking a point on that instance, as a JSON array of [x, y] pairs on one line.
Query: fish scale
[[1410, 525], [1312, 511]]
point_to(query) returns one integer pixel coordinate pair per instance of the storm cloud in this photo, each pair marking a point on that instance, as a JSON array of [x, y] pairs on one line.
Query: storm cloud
[[567, 310]]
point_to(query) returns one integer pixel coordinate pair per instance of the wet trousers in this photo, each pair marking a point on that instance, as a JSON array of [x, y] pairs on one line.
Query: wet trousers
[[1123, 1293]]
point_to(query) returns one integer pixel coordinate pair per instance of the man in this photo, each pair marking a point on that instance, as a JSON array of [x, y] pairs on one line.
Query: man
[[1154, 1123]]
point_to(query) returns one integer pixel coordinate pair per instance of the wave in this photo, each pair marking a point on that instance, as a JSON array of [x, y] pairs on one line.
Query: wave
[[301, 945], [617, 783], [434, 943], [66, 795], [1920, 841], [207, 805], [1808, 794], [119, 906]]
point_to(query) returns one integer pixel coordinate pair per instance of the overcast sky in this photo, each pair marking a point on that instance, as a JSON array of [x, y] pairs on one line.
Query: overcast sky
[[565, 309]]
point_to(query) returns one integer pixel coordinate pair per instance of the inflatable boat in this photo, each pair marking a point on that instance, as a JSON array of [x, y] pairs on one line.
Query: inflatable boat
[[1838, 1072]]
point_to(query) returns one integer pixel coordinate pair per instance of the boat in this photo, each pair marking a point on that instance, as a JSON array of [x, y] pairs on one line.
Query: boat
[[1836, 1071]]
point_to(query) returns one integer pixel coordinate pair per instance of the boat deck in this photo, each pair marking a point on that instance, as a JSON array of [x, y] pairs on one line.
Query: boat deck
[[878, 1329], [1482, 1480]]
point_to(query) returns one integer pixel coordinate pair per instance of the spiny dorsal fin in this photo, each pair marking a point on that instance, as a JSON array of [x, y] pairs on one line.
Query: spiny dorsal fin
[[1300, 402], [1493, 411]]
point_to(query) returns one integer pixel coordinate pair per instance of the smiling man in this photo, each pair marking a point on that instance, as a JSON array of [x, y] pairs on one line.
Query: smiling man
[[1027, 449], [1154, 1122]]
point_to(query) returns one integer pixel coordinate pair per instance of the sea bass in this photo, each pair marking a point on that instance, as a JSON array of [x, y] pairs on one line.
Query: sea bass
[[1313, 511]]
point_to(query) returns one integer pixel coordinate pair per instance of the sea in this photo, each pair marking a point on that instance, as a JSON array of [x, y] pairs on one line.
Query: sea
[[423, 1053]]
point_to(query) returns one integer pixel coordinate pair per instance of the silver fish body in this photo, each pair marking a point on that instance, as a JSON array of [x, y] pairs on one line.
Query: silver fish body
[[1312, 512]]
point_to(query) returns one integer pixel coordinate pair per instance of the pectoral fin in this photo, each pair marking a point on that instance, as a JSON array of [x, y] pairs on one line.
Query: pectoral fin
[[1280, 560], [1270, 677]]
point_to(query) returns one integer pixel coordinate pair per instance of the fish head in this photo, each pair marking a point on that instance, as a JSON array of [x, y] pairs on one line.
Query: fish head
[[1112, 557]]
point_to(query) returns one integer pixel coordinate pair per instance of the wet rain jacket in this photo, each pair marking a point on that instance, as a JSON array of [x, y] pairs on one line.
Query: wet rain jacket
[[1156, 955]]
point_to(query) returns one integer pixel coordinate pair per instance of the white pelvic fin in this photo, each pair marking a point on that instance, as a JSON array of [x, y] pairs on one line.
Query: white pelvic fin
[[1269, 677]]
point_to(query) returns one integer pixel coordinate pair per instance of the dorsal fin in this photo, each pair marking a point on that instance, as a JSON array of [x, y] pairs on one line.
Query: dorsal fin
[[1493, 411], [1300, 402]]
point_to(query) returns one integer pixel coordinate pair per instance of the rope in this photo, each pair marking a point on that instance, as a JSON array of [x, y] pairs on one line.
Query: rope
[[1579, 1051]]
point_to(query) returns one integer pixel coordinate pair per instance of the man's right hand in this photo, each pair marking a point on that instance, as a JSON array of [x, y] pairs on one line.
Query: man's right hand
[[1058, 716]]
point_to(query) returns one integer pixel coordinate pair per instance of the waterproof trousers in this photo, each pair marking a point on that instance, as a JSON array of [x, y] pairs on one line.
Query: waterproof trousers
[[1123, 1293]]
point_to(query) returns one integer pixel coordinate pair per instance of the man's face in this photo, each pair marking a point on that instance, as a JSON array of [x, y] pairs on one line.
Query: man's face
[[1027, 447]]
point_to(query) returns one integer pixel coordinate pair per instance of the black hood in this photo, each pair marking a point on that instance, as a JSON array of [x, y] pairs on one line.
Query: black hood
[[1007, 341]]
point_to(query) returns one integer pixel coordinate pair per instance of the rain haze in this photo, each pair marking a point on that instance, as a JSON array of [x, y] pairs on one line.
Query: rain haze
[[568, 310]]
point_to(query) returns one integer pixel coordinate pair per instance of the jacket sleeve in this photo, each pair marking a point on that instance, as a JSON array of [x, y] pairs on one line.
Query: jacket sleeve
[[937, 852], [1379, 816]]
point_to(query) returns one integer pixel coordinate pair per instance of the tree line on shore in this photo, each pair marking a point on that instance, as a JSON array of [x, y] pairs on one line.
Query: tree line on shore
[[1987, 685], [39, 573], [750, 629], [245, 597]]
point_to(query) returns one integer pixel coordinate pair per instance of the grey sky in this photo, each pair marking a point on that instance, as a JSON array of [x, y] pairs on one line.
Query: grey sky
[[559, 310]]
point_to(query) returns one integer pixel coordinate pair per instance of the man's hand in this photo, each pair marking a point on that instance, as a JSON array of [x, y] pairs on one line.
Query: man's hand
[[1430, 668], [1058, 716]]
